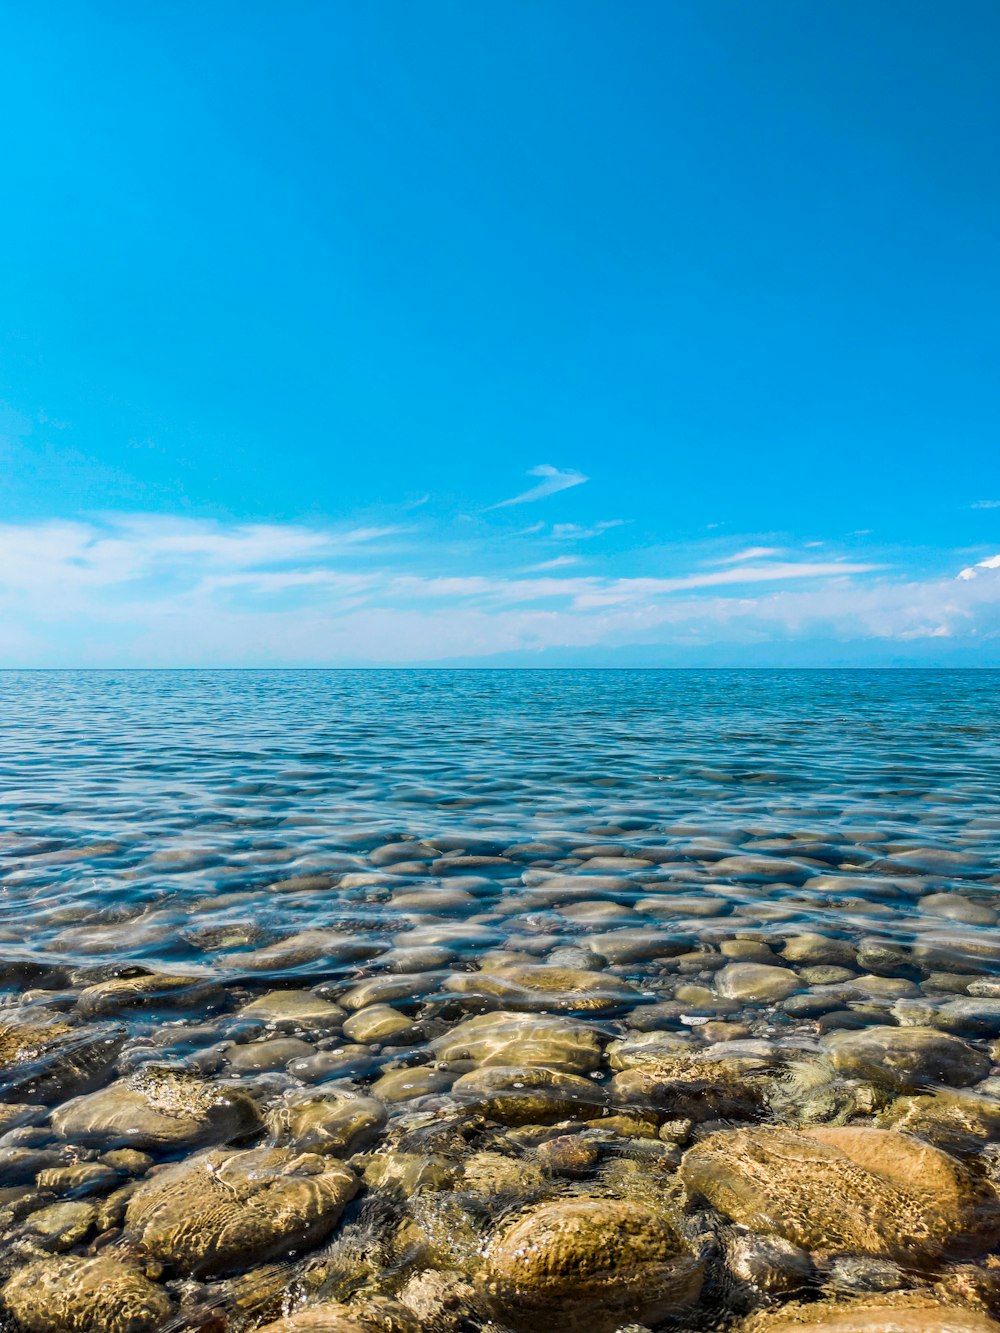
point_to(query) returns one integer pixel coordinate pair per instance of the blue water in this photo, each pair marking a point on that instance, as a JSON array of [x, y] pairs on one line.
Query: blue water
[[140, 809], [299, 850]]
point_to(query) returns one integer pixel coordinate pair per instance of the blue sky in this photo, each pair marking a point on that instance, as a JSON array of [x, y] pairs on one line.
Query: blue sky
[[527, 333]]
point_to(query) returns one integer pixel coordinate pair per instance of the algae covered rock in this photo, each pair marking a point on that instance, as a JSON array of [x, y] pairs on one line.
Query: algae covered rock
[[859, 1190], [221, 1211], [513, 1039], [158, 1110], [588, 1265], [73, 1295]]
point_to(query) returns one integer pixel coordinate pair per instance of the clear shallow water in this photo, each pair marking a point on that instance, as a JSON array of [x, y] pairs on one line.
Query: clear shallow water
[[312, 882], [179, 800]]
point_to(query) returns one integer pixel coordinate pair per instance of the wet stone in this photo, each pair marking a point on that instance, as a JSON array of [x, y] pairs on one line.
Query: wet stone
[[54, 1061], [381, 1024], [339, 1122], [757, 982], [268, 1055], [528, 1096], [404, 1084], [866, 1191], [227, 1210], [157, 1110], [910, 1313], [768, 1263], [549, 989], [157, 990], [61, 1225], [76, 1295], [295, 1011], [907, 1058], [590, 1265], [514, 1039], [386, 989]]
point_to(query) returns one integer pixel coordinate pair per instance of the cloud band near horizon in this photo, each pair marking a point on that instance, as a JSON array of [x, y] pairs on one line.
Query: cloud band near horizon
[[158, 590]]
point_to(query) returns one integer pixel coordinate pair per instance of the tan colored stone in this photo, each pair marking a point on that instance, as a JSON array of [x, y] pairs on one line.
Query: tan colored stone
[[74, 1295], [531, 1095], [587, 1265], [543, 989], [906, 1313], [506, 1038], [338, 1123], [855, 1190], [221, 1211], [158, 1109]]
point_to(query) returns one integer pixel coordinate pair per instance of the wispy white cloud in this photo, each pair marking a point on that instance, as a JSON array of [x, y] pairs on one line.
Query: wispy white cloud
[[750, 553], [157, 590], [579, 532], [993, 562], [553, 479], [560, 562], [986, 504]]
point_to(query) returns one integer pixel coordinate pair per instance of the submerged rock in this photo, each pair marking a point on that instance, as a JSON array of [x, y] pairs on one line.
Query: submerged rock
[[860, 1190], [692, 1087], [908, 1057], [339, 1122], [587, 1265], [74, 1295], [158, 1110], [120, 995], [227, 1210], [959, 1121], [768, 1263], [48, 1062], [536, 989], [757, 983], [295, 1011], [907, 1313], [334, 1317], [518, 1039], [531, 1095]]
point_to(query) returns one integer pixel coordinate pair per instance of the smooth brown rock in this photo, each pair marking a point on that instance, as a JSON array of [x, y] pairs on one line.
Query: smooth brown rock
[[221, 1211], [587, 1265], [520, 1039], [908, 1313], [854, 1190], [530, 1095], [157, 1109], [74, 1295]]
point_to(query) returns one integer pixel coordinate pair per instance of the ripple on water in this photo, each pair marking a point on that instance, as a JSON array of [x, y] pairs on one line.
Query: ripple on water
[[324, 995]]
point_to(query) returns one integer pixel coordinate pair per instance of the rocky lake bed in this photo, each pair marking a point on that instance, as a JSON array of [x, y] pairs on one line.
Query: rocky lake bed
[[577, 1005]]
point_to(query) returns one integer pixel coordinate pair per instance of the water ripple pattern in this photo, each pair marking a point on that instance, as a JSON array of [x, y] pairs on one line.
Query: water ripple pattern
[[146, 814]]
